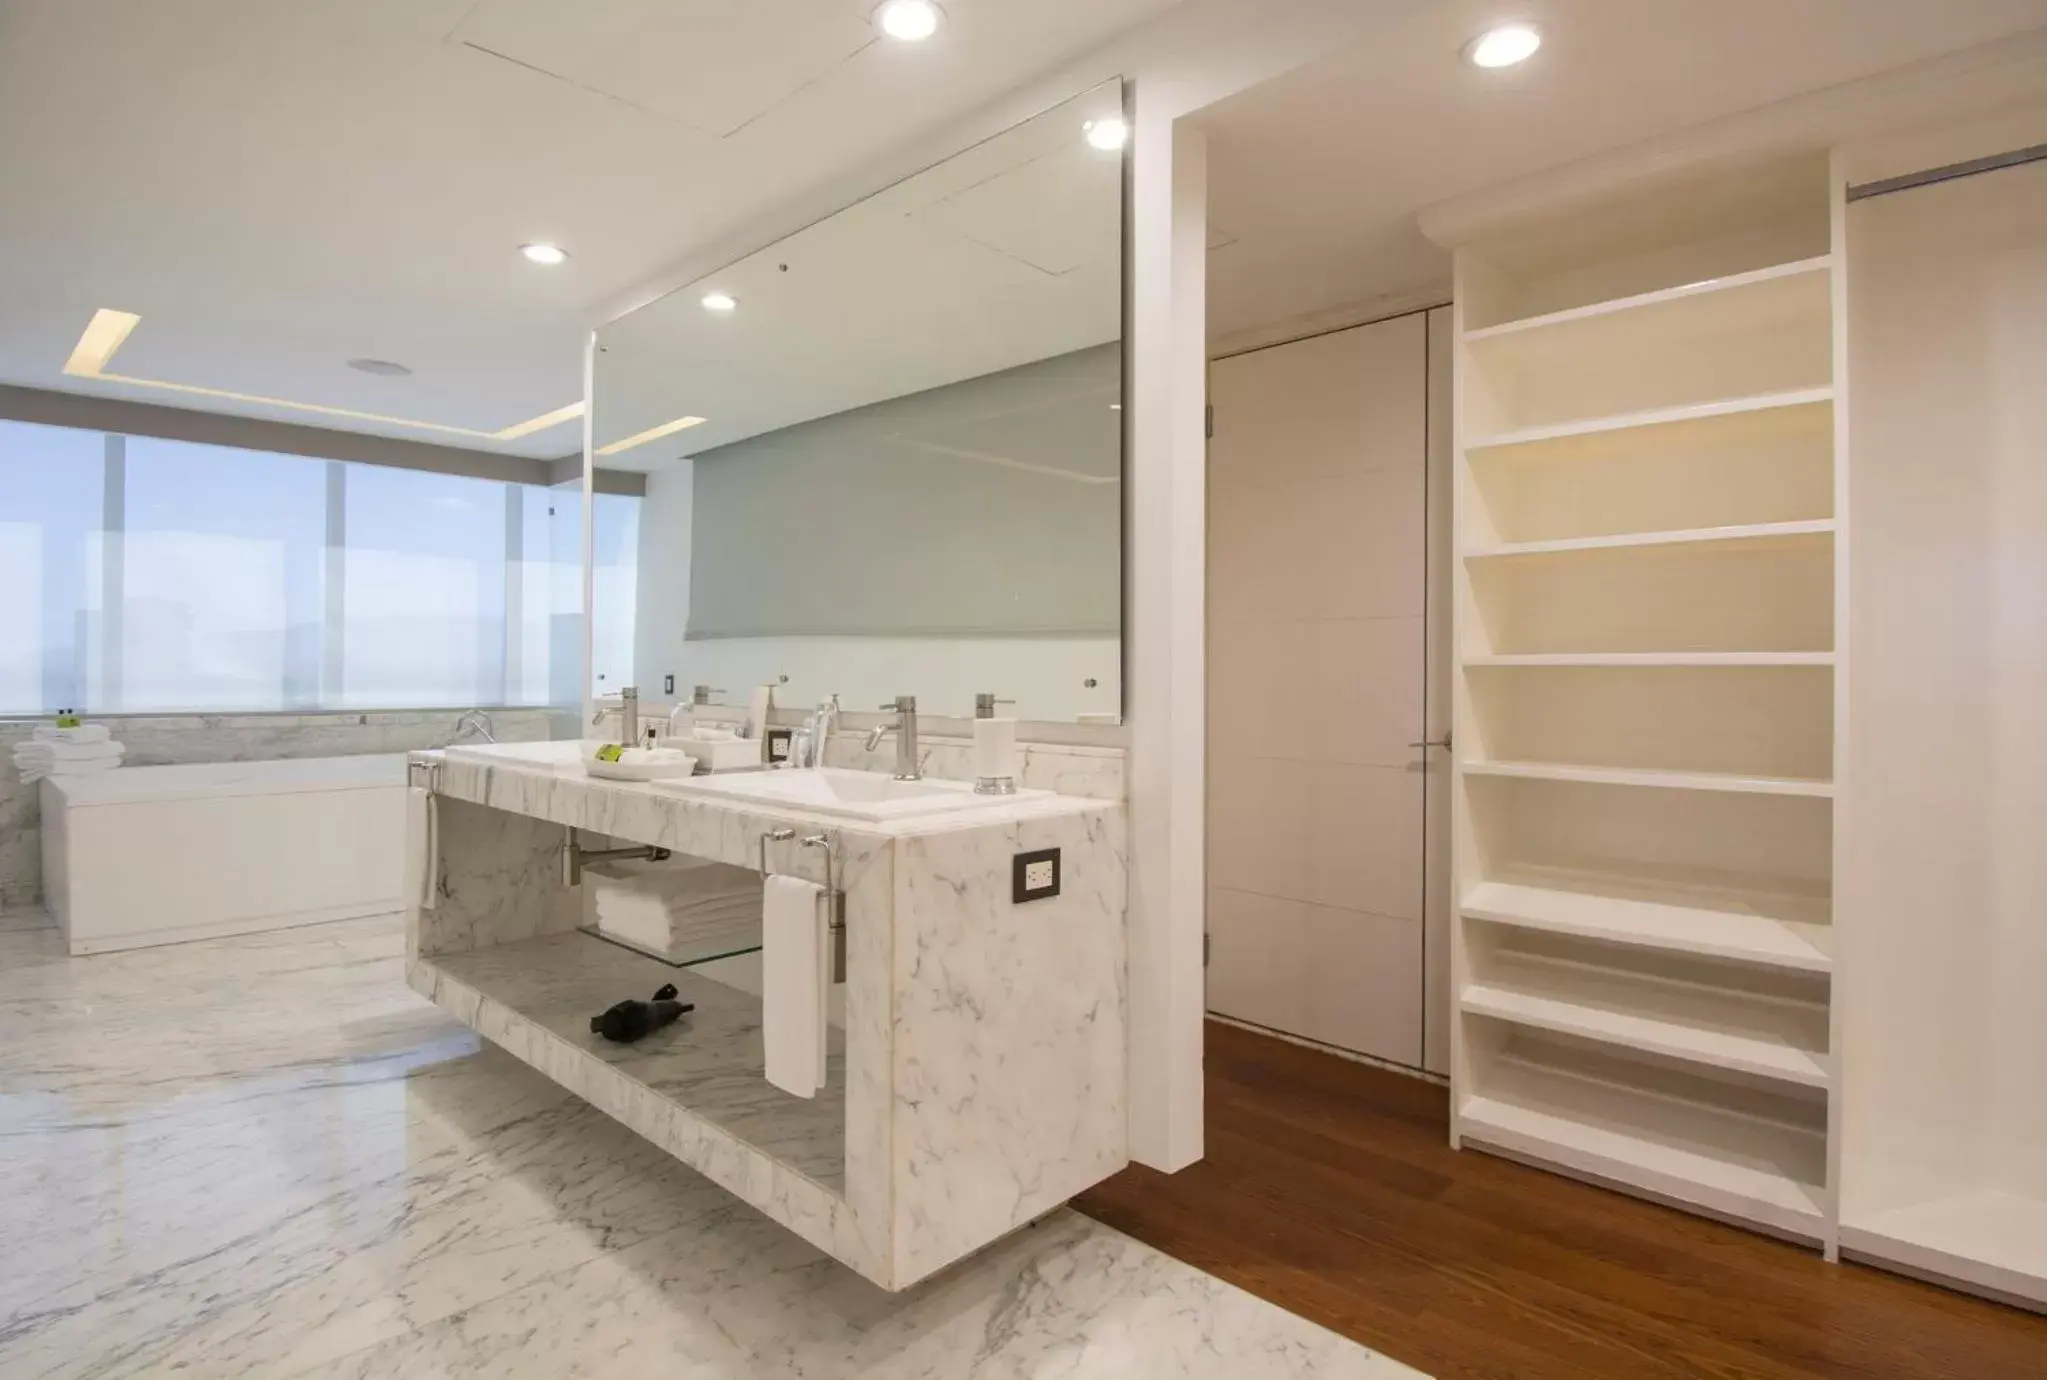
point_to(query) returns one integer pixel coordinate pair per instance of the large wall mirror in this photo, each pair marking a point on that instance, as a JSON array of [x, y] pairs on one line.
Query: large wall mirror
[[885, 455]]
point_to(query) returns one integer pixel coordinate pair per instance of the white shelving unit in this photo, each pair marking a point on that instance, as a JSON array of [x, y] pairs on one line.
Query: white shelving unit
[[1647, 618]]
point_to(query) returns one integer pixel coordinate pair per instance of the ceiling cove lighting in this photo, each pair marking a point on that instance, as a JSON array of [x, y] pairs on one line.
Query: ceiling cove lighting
[[108, 329], [719, 301], [1504, 46], [652, 433], [908, 21], [542, 253], [1107, 134]]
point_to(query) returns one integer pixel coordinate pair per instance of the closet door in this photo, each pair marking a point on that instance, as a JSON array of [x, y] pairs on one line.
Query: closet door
[[1944, 902], [1317, 643]]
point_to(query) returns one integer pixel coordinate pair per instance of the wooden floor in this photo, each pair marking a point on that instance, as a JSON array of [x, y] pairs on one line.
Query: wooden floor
[[1329, 1189]]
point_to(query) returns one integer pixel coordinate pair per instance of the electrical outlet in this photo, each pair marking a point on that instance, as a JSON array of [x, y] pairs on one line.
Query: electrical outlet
[[668, 684], [1034, 876]]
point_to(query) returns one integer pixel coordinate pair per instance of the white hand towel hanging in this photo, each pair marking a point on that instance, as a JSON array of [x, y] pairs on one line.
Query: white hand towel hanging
[[795, 978]]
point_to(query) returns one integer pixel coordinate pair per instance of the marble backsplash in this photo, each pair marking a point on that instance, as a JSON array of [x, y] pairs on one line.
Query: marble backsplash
[[168, 739]]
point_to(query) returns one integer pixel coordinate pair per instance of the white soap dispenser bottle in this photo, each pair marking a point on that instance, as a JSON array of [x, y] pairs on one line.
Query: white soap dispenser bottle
[[994, 748]]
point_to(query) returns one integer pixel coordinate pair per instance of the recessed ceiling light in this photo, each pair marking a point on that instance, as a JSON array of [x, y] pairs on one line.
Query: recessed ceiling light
[[719, 301], [1107, 134], [388, 368], [911, 21], [549, 254], [1504, 46], [109, 329], [652, 433]]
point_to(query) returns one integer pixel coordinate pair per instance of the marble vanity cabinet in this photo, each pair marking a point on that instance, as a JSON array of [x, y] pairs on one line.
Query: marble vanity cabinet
[[979, 1078]]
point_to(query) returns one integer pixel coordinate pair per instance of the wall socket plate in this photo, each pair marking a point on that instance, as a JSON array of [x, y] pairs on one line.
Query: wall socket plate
[[1034, 876]]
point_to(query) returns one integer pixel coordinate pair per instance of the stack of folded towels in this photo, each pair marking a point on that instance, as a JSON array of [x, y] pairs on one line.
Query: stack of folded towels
[[76, 751]]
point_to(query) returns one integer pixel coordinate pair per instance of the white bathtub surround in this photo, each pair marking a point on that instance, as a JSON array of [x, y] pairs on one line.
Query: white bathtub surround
[[171, 739], [342, 1181], [160, 855], [983, 1067]]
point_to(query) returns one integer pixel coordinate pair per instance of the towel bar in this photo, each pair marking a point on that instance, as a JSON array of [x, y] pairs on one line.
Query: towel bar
[[835, 898]]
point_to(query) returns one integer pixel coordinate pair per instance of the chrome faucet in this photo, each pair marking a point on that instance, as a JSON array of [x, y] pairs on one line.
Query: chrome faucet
[[477, 722], [905, 728], [817, 731], [628, 712]]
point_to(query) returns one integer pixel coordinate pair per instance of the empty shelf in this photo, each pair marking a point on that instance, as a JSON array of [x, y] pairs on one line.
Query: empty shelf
[[1720, 1161], [1662, 780], [1757, 531], [1985, 1238], [1651, 659], [1697, 303], [1709, 930], [1658, 416], [1720, 1027]]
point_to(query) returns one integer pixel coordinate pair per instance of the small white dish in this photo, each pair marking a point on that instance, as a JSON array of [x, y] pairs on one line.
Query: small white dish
[[653, 764]]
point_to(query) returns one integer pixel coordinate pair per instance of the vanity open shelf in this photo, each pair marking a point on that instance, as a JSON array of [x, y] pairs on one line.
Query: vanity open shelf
[[536, 998]]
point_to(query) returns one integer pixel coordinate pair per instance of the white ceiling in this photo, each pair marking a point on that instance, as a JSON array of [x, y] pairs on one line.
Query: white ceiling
[[1315, 178], [1005, 254], [276, 188]]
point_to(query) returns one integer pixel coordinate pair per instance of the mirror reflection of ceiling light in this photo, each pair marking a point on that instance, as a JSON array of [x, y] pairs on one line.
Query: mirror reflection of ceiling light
[[548, 254], [652, 433], [1504, 46], [109, 329], [911, 21], [1107, 134], [719, 301]]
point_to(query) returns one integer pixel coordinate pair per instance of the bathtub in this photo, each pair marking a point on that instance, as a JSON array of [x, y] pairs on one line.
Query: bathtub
[[159, 855]]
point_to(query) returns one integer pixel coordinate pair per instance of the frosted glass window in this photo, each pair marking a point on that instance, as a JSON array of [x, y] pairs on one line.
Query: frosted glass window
[[424, 590], [222, 589], [52, 497]]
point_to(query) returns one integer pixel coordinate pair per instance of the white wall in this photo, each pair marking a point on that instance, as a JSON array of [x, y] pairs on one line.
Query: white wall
[[1047, 677]]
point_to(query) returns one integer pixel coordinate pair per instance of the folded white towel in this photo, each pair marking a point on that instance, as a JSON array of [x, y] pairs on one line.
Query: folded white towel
[[32, 772], [66, 752], [84, 733]]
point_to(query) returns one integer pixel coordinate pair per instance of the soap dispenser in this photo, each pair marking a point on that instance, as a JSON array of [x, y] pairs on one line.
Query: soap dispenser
[[994, 748]]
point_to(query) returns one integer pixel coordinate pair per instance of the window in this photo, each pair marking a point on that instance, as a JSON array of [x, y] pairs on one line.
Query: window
[[145, 575], [222, 600], [425, 589], [52, 501]]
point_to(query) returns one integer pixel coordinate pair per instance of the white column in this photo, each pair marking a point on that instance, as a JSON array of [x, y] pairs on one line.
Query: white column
[[1167, 559]]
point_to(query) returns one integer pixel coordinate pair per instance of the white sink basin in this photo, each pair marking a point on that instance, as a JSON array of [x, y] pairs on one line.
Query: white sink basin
[[848, 794]]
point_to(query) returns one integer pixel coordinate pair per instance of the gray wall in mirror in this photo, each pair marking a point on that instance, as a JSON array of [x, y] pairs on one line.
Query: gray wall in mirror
[[907, 476]]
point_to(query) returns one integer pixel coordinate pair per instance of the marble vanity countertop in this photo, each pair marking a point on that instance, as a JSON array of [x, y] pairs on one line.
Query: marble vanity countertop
[[702, 824]]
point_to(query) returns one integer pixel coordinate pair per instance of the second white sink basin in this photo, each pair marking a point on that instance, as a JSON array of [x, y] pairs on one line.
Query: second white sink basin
[[849, 794]]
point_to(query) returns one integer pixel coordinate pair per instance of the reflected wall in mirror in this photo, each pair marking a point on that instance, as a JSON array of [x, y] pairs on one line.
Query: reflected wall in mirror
[[884, 455]]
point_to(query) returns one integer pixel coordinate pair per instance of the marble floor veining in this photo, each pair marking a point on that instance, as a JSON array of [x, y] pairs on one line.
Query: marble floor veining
[[266, 1156]]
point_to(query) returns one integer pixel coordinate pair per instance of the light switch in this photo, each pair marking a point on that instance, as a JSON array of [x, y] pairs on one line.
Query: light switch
[[1034, 876]]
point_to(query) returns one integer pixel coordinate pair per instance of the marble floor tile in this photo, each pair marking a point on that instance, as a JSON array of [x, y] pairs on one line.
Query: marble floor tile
[[266, 1156]]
